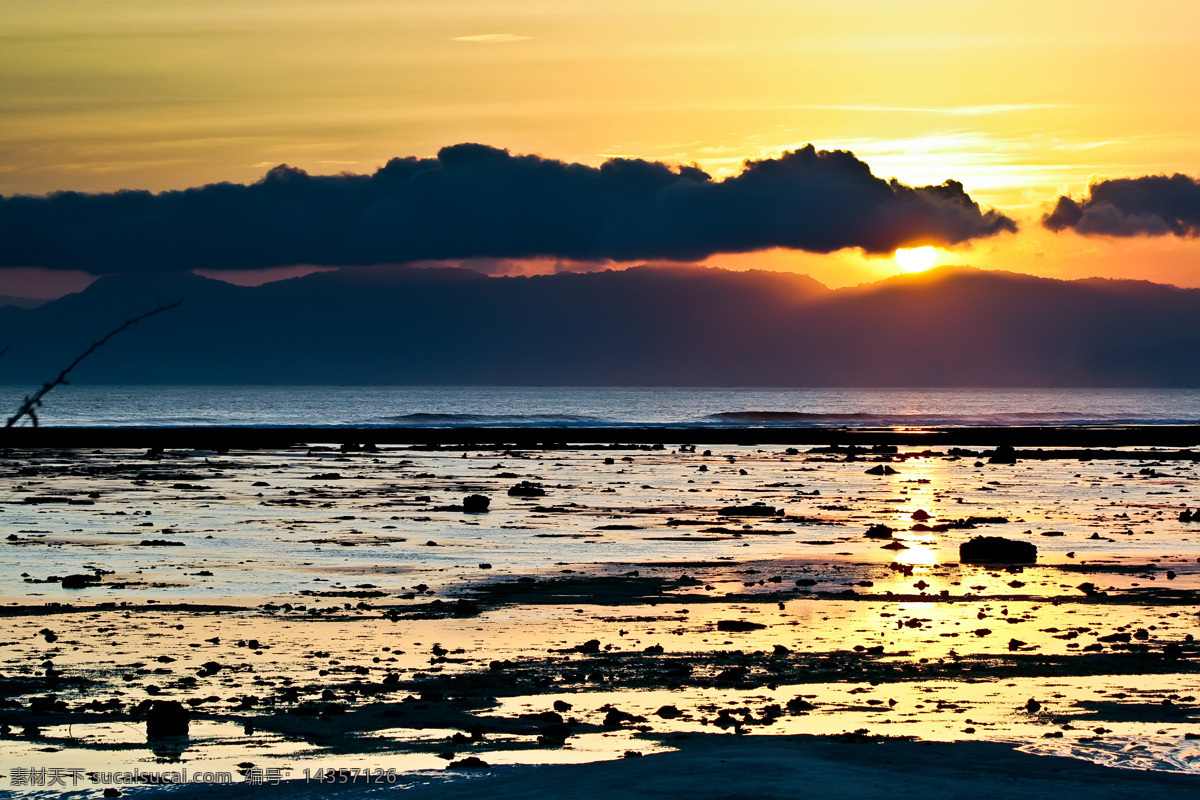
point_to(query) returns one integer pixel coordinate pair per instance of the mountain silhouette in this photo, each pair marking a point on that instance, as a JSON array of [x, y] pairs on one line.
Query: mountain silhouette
[[686, 326]]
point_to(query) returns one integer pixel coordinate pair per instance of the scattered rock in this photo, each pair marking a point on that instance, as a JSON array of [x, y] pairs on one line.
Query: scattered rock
[[738, 626], [997, 550], [758, 509], [167, 718], [476, 503]]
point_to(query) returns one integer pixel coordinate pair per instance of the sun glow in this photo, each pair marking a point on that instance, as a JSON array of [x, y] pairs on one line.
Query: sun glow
[[916, 259]]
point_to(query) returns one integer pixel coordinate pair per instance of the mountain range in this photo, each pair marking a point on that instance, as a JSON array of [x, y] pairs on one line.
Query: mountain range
[[646, 326]]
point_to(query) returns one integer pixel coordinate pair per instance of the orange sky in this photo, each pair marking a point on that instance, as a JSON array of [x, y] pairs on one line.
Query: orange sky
[[1019, 100]]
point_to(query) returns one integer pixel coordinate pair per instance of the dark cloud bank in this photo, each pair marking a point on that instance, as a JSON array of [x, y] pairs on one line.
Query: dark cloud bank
[[637, 327], [1152, 205], [477, 201]]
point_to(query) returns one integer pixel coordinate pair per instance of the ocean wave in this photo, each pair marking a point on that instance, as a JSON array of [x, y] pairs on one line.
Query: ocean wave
[[491, 420], [915, 419]]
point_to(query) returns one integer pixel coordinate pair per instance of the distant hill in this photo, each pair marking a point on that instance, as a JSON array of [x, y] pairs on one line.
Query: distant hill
[[643, 326], [20, 302]]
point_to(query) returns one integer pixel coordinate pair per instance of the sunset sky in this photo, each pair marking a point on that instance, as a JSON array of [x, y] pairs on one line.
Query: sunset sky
[[1020, 101]]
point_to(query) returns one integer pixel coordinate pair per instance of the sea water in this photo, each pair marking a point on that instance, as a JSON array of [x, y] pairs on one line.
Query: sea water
[[386, 406]]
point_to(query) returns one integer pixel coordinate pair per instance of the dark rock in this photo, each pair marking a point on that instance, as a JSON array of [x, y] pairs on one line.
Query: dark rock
[[79, 581], [615, 717], [997, 550], [476, 503], [758, 509], [554, 735], [881, 469], [879, 532], [669, 712], [526, 489], [470, 762], [738, 626], [167, 718], [1004, 454], [798, 705]]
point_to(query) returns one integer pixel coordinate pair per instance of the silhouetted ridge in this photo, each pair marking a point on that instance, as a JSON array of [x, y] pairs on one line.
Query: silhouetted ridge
[[646, 326]]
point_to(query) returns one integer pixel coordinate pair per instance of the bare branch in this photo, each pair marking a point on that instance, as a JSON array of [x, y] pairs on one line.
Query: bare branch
[[34, 401]]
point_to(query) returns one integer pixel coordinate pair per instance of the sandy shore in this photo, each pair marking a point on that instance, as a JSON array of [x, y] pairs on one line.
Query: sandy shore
[[323, 607]]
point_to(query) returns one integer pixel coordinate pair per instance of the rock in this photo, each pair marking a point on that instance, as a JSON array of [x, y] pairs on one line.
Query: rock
[[738, 626], [476, 504], [1004, 454], [879, 532], [79, 581], [920, 515], [470, 762], [798, 705], [554, 735], [562, 706], [526, 489], [669, 712], [881, 469], [997, 550], [167, 718], [1033, 706], [615, 717], [758, 509]]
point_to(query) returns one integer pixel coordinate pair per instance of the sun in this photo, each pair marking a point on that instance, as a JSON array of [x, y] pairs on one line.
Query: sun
[[916, 259]]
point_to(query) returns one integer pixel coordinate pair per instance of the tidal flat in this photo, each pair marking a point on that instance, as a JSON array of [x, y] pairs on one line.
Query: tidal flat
[[323, 610]]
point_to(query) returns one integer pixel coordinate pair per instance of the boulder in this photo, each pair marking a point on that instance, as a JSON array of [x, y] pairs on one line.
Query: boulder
[[526, 489], [476, 503], [997, 550], [167, 718], [738, 626], [753, 510], [1004, 454]]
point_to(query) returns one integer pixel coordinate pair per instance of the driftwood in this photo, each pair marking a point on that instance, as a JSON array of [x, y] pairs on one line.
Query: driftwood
[[34, 401]]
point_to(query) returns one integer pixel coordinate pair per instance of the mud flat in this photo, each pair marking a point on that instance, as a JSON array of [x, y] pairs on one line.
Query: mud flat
[[683, 613]]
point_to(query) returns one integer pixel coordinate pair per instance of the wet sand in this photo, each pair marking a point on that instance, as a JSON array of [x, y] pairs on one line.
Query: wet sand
[[323, 607]]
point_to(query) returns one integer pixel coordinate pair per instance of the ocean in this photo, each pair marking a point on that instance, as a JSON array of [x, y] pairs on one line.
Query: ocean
[[387, 406]]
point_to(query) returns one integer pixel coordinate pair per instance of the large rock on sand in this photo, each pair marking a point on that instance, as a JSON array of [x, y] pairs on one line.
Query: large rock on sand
[[476, 503], [997, 550], [167, 718]]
